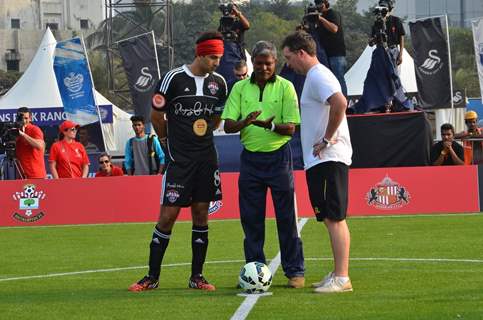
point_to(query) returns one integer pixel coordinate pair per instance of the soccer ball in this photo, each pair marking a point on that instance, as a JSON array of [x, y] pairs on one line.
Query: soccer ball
[[29, 190], [255, 277]]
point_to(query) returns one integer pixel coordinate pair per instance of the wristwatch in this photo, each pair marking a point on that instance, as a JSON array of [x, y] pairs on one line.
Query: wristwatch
[[326, 141]]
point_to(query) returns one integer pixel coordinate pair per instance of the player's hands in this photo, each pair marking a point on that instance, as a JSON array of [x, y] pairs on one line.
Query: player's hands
[[252, 116], [267, 123], [399, 59], [447, 145]]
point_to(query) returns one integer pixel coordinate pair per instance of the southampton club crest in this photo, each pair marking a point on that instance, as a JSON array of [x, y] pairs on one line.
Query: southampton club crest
[[29, 202], [387, 195]]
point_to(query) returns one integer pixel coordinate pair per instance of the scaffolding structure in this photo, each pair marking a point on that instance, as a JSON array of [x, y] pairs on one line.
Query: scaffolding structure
[[129, 18]]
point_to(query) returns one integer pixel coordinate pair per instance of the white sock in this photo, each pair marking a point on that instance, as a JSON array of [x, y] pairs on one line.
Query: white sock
[[342, 279]]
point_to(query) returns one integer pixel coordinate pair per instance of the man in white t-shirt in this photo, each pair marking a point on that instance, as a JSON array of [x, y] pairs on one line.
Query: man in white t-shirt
[[327, 152]]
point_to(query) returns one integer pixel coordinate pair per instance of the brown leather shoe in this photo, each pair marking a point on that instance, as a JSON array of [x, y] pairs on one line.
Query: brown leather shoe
[[296, 282]]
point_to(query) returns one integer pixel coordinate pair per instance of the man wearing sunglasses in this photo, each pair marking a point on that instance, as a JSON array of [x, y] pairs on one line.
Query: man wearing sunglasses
[[106, 168], [30, 147]]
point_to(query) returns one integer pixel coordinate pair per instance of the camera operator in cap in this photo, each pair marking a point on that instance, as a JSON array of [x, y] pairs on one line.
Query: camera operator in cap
[[30, 146], [331, 36], [393, 29]]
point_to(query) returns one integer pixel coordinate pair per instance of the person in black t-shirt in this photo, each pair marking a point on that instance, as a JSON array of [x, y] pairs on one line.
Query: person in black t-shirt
[[186, 109], [447, 152], [394, 34], [331, 36]]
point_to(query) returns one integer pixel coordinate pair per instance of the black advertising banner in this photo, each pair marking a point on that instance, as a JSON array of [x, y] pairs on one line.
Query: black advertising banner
[[390, 140], [431, 63], [140, 63]]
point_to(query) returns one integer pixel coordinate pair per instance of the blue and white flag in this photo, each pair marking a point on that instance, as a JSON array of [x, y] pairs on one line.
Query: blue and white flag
[[478, 41], [74, 81]]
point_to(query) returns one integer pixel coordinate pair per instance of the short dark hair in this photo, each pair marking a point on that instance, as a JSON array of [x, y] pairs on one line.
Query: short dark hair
[[300, 40], [137, 119], [104, 154], [240, 64], [446, 127], [319, 2], [209, 35], [23, 110]]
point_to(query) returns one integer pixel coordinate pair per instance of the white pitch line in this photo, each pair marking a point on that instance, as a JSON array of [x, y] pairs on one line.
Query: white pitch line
[[244, 309], [52, 275]]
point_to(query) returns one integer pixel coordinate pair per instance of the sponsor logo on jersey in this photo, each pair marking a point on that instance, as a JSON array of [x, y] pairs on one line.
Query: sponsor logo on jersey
[[387, 195], [214, 206], [29, 203], [172, 195], [213, 87]]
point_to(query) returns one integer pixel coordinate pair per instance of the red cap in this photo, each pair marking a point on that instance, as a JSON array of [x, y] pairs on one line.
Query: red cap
[[67, 124]]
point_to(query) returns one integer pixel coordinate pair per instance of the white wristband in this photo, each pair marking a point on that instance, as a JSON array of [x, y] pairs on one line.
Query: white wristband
[[273, 127]]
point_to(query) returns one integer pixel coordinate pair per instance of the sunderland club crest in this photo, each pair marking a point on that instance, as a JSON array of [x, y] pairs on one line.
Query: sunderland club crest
[[387, 195], [28, 204], [213, 87]]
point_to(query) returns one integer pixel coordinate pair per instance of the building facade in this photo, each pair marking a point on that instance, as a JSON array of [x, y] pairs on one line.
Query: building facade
[[23, 23]]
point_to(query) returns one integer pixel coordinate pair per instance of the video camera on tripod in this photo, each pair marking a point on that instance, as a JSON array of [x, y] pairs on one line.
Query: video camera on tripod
[[227, 22], [9, 131], [380, 12], [311, 17]]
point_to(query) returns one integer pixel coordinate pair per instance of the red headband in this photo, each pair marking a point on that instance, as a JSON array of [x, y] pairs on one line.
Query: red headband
[[209, 47]]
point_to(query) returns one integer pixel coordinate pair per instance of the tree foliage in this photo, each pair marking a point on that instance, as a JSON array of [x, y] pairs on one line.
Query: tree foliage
[[272, 20]]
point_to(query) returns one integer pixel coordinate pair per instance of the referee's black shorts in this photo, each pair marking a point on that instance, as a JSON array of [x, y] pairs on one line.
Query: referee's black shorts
[[328, 190]]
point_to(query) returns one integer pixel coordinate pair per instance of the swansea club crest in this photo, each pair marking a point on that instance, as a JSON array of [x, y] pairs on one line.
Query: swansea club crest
[[388, 194], [29, 204]]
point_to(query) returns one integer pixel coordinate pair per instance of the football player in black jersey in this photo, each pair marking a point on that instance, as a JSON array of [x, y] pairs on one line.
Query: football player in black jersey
[[186, 109]]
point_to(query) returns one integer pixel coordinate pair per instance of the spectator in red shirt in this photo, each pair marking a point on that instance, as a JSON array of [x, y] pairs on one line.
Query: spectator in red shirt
[[106, 168], [30, 147], [68, 158]]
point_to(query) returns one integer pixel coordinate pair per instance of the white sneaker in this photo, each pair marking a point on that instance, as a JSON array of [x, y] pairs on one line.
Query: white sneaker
[[323, 281], [334, 284]]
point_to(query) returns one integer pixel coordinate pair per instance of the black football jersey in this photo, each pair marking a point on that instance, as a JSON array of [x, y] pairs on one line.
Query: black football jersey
[[191, 104]]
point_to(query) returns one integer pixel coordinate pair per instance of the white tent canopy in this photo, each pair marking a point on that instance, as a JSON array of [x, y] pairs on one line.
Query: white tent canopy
[[356, 75], [37, 88]]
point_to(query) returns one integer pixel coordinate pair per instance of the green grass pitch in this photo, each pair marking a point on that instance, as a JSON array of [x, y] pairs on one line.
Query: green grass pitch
[[404, 267]]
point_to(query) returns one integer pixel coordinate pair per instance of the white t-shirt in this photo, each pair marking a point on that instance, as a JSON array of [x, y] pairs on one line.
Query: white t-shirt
[[320, 85]]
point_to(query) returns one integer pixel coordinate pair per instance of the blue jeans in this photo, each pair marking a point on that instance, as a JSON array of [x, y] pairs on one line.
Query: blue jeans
[[337, 66]]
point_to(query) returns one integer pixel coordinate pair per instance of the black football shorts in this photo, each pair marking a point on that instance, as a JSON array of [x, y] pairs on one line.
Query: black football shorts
[[188, 182], [328, 190]]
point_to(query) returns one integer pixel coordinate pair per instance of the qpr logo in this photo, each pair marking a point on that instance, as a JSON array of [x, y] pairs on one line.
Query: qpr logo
[[74, 82], [432, 64], [172, 195], [387, 195], [145, 80], [29, 202], [213, 87], [214, 206]]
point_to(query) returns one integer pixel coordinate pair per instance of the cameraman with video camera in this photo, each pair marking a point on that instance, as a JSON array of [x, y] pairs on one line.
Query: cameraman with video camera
[[233, 25], [30, 146], [331, 36], [388, 31]]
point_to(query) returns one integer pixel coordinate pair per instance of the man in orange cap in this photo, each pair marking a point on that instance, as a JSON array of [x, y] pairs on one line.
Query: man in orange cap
[[188, 101], [473, 149]]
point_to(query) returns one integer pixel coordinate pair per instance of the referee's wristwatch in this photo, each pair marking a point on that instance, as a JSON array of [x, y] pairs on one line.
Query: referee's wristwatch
[[326, 142]]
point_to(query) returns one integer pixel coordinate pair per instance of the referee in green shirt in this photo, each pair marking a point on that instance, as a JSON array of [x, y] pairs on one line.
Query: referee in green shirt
[[264, 109]]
